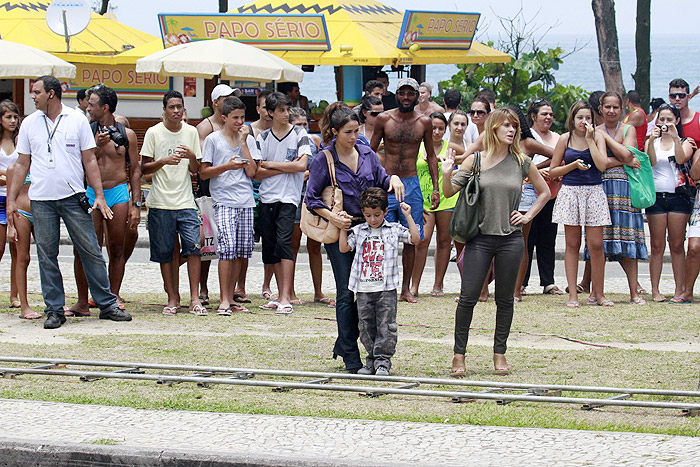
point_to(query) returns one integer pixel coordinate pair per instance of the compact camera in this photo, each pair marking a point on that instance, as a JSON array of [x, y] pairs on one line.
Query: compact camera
[[115, 135], [664, 128]]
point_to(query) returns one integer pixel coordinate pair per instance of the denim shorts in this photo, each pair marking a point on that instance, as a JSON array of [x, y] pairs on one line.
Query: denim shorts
[[670, 202], [3, 210], [164, 224]]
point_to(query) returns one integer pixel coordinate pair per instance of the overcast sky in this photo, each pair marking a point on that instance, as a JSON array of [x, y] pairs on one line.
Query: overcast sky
[[574, 17]]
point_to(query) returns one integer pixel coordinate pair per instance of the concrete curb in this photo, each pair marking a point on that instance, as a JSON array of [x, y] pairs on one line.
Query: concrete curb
[[59, 454]]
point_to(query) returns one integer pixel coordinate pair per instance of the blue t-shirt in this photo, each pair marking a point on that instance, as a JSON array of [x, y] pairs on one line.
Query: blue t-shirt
[[581, 177]]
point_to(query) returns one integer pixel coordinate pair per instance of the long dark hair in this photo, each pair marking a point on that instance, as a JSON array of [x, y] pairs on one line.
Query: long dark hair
[[676, 113], [524, 125], [9, 106], [335, 117], [535, 108]]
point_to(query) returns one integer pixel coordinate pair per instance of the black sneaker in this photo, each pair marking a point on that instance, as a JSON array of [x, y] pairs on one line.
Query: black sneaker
[[366, 370], [382, 371], [114, 313], [54, 320]]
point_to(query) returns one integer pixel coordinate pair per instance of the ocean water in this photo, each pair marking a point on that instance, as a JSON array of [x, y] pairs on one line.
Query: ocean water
[[673, 56]]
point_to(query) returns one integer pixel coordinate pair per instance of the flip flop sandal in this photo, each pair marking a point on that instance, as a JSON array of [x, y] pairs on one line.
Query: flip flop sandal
[[15, 305], [552, 290], [32, 315], [638, 301], [224, 311], [679, 301], [169, 310], [204, 299], [592, 301], [238, 309], [79, 314], [241, 299], [298, 302], [437, 293], [271, 305], [284, 309], [268, 296], [199, 310], [606, 302], [573, 304], [329, 302], [660, 299]]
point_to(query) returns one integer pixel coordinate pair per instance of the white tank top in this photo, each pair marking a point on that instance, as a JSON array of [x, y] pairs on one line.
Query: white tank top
[[664, 171]]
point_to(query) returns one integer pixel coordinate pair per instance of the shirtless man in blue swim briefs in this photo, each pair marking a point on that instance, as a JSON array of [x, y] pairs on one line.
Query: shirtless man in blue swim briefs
[[403, 129], [117, 149]]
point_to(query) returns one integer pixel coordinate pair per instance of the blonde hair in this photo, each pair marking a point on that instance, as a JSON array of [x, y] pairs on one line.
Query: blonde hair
[[491, 141]]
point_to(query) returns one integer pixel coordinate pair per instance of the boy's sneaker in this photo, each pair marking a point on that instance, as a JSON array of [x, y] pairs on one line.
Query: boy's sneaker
[[366, 370], [382, 371]]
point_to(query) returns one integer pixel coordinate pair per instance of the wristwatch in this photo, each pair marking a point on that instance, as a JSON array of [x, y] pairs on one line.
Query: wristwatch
[[138, 204]]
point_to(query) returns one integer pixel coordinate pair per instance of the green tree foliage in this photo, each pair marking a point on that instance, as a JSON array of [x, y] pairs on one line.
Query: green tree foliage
[[527, 77]]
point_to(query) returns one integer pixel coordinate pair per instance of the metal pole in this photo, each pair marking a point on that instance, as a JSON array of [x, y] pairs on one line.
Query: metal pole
[[314, 374], [65, 32], [365, 389]]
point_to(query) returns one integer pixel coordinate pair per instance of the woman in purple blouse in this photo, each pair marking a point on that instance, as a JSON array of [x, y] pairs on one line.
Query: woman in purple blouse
[[356, 169]]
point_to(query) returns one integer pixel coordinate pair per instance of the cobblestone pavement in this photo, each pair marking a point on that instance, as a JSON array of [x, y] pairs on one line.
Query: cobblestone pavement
[[353, 442]]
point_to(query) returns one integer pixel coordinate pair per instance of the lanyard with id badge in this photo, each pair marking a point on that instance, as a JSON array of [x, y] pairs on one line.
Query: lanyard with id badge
[[51, 162]]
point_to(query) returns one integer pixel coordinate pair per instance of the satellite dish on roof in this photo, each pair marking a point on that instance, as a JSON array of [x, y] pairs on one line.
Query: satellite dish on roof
[[68, 18]]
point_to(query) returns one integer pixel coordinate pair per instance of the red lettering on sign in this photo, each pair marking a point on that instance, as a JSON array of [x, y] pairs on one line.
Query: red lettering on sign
[[210, 28], [252, 29], [312, 30], [223, 31]]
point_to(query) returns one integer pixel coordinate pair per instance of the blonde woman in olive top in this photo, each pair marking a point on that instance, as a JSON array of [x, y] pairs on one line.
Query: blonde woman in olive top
[[438, 218], [503, 168]]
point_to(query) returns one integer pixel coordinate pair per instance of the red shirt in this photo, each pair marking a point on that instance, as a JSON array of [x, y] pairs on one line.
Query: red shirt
[[641, 129], [692, 128]]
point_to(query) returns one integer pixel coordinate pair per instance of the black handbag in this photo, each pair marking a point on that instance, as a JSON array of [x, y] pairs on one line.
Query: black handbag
[[465, 219]]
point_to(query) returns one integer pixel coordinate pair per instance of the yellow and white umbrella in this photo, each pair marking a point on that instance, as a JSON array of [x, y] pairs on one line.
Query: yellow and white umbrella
[[228, 59], [22, 61]]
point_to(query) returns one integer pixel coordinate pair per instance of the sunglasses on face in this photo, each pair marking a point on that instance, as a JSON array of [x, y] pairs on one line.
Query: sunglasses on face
[[477, 112], [374, 113], [678, 95], [406, 93]]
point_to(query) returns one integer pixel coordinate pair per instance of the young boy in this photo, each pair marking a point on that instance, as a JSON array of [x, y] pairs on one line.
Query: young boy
[[284, 150], [374, 276], [170, 152], [228, 159]]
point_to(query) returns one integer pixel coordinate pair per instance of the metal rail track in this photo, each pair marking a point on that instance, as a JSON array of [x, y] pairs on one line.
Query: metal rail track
[[458, 390]]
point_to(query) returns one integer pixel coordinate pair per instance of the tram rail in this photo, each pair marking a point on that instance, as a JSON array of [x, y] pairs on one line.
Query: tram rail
[[457, 390]]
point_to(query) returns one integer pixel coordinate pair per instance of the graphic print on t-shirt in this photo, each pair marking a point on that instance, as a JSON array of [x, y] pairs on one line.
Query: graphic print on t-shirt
[[371, 274]]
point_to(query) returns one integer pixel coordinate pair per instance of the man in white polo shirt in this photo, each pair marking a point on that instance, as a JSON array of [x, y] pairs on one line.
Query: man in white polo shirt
[[57, 143]]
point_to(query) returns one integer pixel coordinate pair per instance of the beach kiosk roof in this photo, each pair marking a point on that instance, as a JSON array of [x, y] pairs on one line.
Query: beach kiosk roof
[[368, 32], [24, 22]]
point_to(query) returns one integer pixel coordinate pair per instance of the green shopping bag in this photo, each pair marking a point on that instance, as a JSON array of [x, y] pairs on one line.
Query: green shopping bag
[[642, 191]]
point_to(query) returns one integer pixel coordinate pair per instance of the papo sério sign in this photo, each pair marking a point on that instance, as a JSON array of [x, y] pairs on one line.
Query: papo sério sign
[[122, 78], [438, 29], [268, 32]]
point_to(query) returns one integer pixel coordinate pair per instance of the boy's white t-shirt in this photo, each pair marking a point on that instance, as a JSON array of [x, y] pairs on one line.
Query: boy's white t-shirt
[[233, 188], [371, 263], [171, 188], [285, 187]]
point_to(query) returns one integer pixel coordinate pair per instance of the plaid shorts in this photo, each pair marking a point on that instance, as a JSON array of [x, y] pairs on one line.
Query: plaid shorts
[[235, 227]]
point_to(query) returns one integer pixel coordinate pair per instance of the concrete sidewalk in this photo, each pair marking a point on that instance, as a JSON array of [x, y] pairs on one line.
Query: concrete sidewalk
[[57, 434]]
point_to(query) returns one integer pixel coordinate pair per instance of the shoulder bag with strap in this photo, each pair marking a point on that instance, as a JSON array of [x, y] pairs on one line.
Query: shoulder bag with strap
[[316, 227], [465, 219]]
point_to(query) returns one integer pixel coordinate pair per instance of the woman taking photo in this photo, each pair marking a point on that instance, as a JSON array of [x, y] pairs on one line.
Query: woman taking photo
[[503, 168], [581, 201], [356, 169], [438, 219], [669, 215], [543, 233]]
